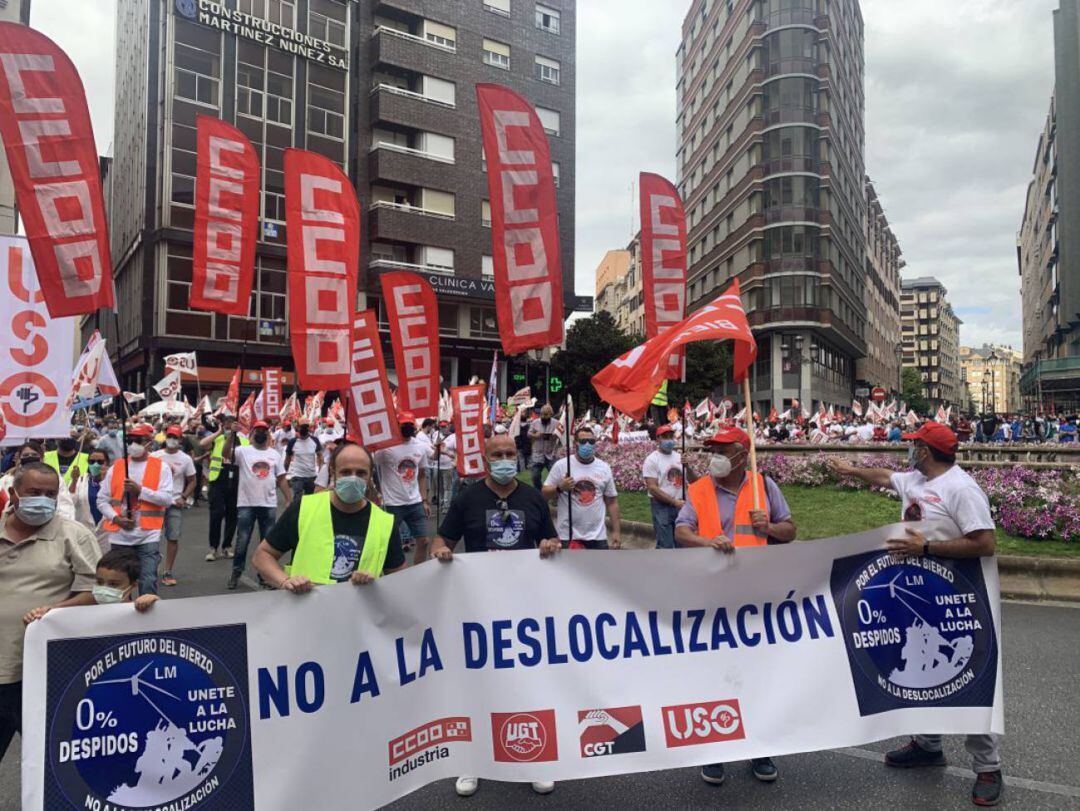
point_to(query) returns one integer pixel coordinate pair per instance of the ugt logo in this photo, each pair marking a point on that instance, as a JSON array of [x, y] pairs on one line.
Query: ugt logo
[[524, 737]]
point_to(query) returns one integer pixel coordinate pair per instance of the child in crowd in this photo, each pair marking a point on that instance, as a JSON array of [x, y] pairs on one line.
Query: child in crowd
[[117, 578]]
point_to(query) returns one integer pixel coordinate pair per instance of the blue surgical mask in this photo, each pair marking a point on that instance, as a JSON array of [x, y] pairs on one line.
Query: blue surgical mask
[[586, 451], [503, 470], [350, 489], [667, 445], [36, 510], [94, 468]]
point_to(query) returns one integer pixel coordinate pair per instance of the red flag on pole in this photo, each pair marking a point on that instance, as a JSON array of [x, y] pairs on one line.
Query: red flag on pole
[[469, 426], [45, 127], [232, 396], [630, 382], [371, 407], [226, 219], [323, 218], [413, 313], [663, 260], [524, 221], [246, 416]]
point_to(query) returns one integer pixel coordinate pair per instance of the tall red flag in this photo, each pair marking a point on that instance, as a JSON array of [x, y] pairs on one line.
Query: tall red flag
[[372, 416], [413, 313], [469, 426], [630, 382], [323, 220], [524, 221], [246, 415], [50, 148], [663, 260], [232, 396], [226, 219]]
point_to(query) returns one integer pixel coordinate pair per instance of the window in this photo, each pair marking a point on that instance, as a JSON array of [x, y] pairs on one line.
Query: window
[[550, 119], [547, 70], [326, 103], [555, 172], [276, 11], [500, 7], [197, 74], [439, 146], [439, 34], [482, 323], [323, 27], [438, 202], [496, 54], [437, 258], [487, 267], [439, 90], [547, 19], [485, 213]]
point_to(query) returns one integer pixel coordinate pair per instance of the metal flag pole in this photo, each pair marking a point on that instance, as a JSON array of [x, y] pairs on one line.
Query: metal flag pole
[[123, 415], [438, 475], [570, 495]]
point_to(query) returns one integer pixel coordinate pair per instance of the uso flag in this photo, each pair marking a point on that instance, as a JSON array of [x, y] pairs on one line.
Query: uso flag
[[663, 260], [469, 426], [371, 414], [524, 221], [226, 219], [323, 218], [50, 148], [414, 333], [630, 381]]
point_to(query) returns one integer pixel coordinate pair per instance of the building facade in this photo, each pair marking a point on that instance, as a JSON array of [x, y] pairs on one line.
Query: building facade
[[770, 167], [615, 278], [881, 365], [385, 88], [992, 374], [930, 334], [11, 11]]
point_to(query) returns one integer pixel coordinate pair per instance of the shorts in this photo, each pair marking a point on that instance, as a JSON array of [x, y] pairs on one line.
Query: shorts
[[174, 523], [412, 522]]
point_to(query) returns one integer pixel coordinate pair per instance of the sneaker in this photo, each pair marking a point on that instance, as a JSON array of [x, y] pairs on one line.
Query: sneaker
[[913, 756], [987, 789], [211, 556], [764, 769], [227, 552], [713, 773], [234, 578], [466, 786], [543, 786], [167, 579]]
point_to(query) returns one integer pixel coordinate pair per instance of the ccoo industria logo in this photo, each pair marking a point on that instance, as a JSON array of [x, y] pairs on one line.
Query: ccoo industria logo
[[149, 721], [919, 631]]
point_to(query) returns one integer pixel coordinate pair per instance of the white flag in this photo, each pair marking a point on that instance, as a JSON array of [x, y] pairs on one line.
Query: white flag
[[856, 408], [702, 409], [183, 362], [134, 396], [93, 372], [169, 386], [260, 405]]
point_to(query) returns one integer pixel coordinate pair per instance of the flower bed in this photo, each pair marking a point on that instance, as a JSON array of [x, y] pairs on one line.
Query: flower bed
[[1043, 504]]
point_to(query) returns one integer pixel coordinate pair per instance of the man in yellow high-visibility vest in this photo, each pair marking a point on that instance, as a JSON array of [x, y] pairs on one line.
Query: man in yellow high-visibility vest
[[335, 535]]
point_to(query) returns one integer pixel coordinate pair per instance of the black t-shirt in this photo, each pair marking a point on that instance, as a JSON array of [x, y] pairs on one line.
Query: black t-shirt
[[350, 529], [479, 516]]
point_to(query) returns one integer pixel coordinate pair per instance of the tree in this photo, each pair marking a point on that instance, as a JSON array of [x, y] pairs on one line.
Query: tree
[[591, 344], [911, 390]]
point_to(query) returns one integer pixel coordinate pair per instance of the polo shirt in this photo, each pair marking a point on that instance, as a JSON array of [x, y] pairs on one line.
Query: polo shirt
[[61, 557]]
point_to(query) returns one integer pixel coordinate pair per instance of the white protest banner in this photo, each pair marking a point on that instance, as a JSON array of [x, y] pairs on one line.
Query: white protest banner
[[276, 700], [184, 362], [36, 351]]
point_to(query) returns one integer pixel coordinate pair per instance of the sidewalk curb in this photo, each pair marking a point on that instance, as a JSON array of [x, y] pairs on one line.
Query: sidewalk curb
[[1022, 577]]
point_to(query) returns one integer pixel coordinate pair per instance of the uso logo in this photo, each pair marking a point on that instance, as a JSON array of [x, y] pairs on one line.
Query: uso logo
[[703, 722], [524, 737], [149, 721], [918, 631]]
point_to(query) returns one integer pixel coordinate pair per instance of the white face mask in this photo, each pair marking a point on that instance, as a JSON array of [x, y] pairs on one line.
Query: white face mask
[[719, 466], [136, 450], [172, 444]]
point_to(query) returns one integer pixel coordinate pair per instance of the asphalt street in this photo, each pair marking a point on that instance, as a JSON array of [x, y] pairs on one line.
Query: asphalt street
[[1042, 722]]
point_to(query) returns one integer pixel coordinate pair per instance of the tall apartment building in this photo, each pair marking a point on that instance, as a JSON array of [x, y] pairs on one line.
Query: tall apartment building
[[930, 334], [992, 374], [1048, 252], [770, 162], [881, 366], [618, 288], [385, 88], [11, 11]]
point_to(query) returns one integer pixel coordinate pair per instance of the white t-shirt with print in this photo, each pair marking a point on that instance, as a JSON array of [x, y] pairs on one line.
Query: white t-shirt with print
[[666, 468], [181, 466], [447, 450], [259, 470], [399, 471], [951, 504], [593, 483]]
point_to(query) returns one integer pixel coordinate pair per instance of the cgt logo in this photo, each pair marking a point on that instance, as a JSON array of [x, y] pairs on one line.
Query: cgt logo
[[612, 731], [433, 733], [703, 722], [524, 737]]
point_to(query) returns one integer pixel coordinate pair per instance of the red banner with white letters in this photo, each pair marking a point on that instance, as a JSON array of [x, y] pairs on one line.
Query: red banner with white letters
[[524, 221], [413, 313], [468, 402], [371, 414], [272, 391], [322, 215], [45, 127], [663, 260], [226, 219]]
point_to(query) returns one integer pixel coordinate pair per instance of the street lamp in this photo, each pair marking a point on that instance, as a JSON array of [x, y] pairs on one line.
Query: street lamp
[[992, 360]]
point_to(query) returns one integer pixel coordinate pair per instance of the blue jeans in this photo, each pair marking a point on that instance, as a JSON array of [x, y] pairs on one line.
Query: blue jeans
[[149, 558], [245, 522], [663, 522], [412, 523], [302, 486]]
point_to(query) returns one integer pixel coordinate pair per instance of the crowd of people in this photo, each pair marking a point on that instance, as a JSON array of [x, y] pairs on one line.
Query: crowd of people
[[84, 517]]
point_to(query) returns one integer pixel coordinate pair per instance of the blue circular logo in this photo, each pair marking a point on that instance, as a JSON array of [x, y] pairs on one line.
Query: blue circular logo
[[151, 722], [918, 629], [186, 8]]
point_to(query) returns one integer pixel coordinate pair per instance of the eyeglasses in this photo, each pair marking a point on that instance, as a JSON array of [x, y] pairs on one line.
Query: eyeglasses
[[26, 460]]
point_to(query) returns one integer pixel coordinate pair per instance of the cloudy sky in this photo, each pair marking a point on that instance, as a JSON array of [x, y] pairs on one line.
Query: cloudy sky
[[956, 95]]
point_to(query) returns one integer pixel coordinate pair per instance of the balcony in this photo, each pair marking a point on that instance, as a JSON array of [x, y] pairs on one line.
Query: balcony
[[795, 214], [790, 16], [405, 108], [412, 167], [401, 222], [390, 46]]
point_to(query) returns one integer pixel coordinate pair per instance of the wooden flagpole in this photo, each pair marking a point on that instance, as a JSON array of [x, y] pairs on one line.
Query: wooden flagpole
[[753, 451]]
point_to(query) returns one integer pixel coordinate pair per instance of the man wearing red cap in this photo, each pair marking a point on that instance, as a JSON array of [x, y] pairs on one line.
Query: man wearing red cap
[[261, 470], [133, 506], [727, 509], [957, 524], [404, 484], [182, 467]]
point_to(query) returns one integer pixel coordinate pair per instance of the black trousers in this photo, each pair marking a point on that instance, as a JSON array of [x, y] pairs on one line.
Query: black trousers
[[222, 494], [10, 714]]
